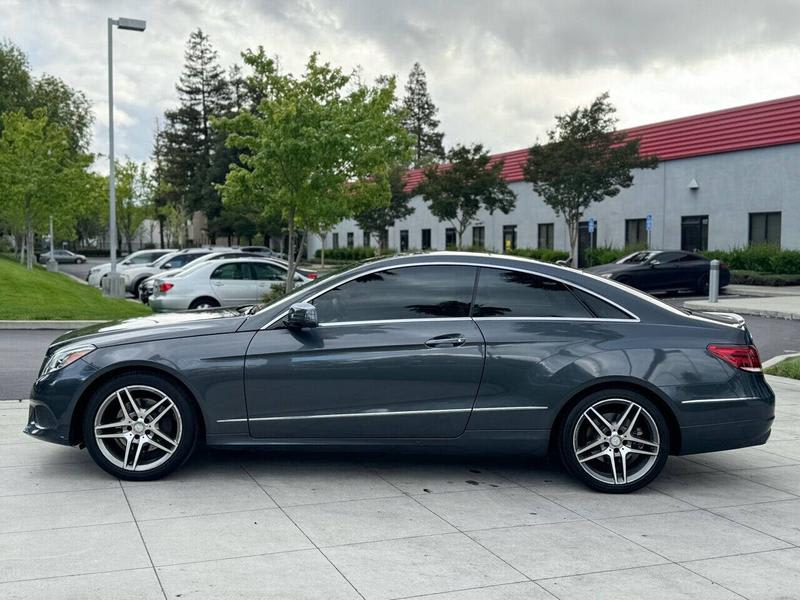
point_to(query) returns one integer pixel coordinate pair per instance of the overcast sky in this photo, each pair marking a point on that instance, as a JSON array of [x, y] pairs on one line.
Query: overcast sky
[[498, 70]]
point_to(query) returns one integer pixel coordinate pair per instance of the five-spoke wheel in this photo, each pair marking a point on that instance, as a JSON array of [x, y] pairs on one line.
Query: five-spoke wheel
[[615, 441], [139, 426]]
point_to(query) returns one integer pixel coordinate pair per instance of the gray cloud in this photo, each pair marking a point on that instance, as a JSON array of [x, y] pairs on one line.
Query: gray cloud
[[498, 70]]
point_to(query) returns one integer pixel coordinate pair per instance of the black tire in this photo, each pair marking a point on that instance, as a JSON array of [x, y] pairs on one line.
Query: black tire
[[78, 261], [135, 287], [701, 287], [147, 390], [602, 472], [203, 302]]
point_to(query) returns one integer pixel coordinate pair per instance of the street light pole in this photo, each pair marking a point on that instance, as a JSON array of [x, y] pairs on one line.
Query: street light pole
[[113, 281]]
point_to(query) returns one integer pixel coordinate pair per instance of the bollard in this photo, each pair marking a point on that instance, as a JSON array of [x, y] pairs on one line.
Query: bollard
[[713, 281]]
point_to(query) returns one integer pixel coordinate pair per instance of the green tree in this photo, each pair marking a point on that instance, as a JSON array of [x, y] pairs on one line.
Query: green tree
[[420, 119], [133, 189], [585, 160], [470, 181], [187, 139], [65, 106], [40, 175], [378, 218], [15, 78], [91, 214], [314, 147]]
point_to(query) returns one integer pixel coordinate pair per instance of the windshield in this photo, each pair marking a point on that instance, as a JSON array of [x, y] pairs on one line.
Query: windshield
[[636, 258]]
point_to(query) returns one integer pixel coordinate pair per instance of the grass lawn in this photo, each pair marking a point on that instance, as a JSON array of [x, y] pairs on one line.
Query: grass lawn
[[786, 368], [39, 294]]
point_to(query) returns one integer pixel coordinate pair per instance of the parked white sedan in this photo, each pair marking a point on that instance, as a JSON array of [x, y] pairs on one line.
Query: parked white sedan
[[139, 258], [229, 282]]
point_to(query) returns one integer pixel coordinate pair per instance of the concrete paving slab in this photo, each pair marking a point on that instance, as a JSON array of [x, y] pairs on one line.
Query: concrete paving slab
[[43, 512], [27, 455], [359, 521], [663, 582], [683, 536], [135, 584], [418, 566], [212, 537], [779, 307], [219, 494], [488, 509], [766, 575], [744, 458], [557, 550], [41, 479], [780, 519], [436, 478], [780, 478], [310, 483], [715, 489], [511, 591], [71, 551], [594, 505], [305, 575]]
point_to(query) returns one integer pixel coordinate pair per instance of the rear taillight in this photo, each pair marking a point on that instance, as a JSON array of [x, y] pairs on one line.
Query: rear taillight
[[311, 275], [742, 357], [165, 287]]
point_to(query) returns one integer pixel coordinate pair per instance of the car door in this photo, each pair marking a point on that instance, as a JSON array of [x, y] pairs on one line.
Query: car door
[[665, 272], [395, 356], [230, 284], [694, 270], [535, 328], [266, 275]]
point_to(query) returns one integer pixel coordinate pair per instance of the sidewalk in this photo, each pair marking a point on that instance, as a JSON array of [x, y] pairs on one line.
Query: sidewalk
[[778, 307], [763, 290]]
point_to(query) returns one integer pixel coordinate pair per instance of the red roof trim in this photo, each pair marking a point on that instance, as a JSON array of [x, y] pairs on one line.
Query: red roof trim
[[759, 125]]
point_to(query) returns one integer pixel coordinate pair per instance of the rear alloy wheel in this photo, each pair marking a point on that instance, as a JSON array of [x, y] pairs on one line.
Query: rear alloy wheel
[[615, 441], [139, 427], [702, 285], [203, 304]]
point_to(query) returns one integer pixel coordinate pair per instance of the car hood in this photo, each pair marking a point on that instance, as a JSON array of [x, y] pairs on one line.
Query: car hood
[[155, 327]]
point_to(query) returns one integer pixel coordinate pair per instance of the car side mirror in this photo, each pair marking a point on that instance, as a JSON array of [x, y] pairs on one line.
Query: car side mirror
[[301, 315], [167, 266], [653, 263]]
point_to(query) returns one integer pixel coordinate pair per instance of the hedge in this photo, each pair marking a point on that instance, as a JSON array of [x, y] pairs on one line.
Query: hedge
[[762, 258], [543, 254], [756, 278], [355, 253]]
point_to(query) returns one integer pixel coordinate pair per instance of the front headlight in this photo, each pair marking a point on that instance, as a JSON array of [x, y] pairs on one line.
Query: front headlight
[[65, 356], [607, 275]]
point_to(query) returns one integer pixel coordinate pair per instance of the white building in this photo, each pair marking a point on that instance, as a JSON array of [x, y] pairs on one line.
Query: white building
[[726, 178]]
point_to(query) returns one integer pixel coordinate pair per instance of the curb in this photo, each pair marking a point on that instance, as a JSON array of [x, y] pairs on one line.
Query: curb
[[741, 310], [777, 359], [58, 325]]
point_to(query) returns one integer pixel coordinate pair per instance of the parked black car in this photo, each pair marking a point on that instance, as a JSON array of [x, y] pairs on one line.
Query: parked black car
[[662, 270], [444, 349]]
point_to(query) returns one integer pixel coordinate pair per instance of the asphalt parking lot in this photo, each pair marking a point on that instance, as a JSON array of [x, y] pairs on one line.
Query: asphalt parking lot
[[301, 525]]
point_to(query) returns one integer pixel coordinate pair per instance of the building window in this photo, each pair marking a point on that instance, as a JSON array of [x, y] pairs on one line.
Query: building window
[[635, 232], [694, 233], [404, 240], [479, 236], [366, 239], [335, 240], [450, 238], [509, 238], [350, 239], [765, 228], [426, 239], [546, 234]]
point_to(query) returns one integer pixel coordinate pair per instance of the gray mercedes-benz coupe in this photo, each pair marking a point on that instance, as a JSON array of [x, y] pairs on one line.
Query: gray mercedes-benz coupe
[[486, 352]]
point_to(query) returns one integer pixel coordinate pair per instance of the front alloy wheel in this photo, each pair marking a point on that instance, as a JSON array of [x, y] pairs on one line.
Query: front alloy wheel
[[139, 427], [615, 442]]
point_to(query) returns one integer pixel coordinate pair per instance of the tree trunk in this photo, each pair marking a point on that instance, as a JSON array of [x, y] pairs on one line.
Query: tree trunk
[[290, 253], [30, 253], [322, 250], [460, 237], [573, 224]]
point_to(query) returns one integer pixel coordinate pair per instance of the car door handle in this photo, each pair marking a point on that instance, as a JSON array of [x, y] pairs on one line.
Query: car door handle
[[450, 339], [218, 283]]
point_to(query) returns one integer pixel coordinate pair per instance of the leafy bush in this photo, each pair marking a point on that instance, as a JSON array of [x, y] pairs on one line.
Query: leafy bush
[[543, 254], [356, 253], [761, 258], [756, 278]]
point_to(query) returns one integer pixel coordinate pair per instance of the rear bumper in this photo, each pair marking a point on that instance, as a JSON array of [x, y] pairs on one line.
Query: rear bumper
[[725, 436]]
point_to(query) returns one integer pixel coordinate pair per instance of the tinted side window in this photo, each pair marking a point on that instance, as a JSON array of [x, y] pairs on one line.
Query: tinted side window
[[402, 293], [516, 294], [600, 308], [668, 257], [229, 271]]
